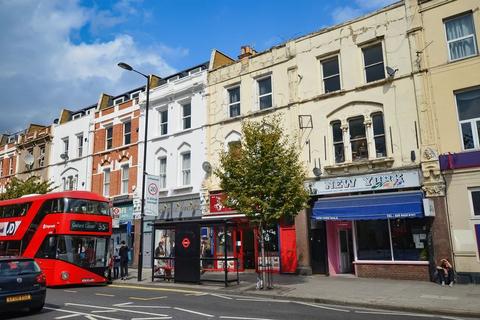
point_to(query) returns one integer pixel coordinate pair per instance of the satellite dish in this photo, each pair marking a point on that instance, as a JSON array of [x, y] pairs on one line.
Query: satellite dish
[[207, 167], [64, 156], [29, 159], [390, 71], [317, 172]]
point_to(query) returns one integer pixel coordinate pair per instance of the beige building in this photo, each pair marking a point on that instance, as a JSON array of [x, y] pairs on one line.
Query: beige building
[[448, 55], [348, 93]]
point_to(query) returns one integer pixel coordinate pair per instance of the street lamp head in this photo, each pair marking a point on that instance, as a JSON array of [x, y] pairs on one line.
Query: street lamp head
[[125, 66]]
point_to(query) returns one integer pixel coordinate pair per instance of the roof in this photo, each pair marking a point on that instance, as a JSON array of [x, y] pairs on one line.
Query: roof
[[54, 195]]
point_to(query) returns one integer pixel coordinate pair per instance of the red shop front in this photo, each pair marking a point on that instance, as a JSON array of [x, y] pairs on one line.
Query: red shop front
[[242, 241]]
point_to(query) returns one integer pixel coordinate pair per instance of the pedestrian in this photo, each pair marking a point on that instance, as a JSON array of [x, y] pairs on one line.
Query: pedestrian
[[123, 253], [445, 273]]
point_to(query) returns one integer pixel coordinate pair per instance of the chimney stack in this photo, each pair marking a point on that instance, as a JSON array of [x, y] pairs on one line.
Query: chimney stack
[[246, 51]]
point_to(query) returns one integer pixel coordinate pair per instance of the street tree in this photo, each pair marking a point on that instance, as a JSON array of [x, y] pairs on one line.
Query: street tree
[[32, 185], [262, 176]]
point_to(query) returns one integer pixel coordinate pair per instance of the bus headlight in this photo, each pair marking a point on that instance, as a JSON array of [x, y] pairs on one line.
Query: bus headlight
[[65, 275]]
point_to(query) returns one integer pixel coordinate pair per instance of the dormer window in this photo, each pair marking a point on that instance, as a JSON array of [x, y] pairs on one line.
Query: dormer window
[[172, 79], [76, 116], [196, 70], [135, 94], [118, 101]]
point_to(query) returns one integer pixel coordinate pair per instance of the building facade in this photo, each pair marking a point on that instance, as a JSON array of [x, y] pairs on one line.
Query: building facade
[[72, 146], [449, 54], [115, 160], [175, 150], [348, 93], [8, 159]]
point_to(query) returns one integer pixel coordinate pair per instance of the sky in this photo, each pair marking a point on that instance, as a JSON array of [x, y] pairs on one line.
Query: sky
[[58, 54]]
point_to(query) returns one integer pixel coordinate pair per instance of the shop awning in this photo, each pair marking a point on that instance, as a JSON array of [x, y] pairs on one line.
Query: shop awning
[[370, 207]]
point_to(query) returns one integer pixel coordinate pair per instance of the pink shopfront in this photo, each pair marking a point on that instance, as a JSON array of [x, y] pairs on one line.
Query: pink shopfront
[[371, 225]]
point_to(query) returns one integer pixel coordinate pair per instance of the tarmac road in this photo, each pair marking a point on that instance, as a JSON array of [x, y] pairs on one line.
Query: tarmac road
[[117, 302]]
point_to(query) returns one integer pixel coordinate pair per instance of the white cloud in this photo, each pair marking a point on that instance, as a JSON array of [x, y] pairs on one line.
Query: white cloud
[[342, 14], [373, 4], [357, 8], [43, 70]]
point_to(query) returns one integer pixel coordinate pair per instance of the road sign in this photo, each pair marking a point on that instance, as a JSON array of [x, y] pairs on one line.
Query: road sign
[[151, 195]]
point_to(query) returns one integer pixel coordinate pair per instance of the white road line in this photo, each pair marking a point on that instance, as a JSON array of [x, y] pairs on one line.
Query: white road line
[[194, 312], [76, 313], [116, 309], [146, 299], [321, 307], [122, 304], [156, 318], [243, 318], [72, 291], [220, 296], [153, 289], [104, 294], [262, 300], [393, 313], [197, 294]]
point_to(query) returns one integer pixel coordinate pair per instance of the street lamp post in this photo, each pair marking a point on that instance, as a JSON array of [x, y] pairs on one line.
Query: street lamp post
[[144, 171]]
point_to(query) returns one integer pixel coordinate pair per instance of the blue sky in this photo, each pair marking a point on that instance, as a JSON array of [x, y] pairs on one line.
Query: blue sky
[[63, 53]]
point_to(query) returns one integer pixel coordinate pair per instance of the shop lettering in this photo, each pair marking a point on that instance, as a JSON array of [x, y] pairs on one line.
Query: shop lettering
[[388, 181], [341, 184]]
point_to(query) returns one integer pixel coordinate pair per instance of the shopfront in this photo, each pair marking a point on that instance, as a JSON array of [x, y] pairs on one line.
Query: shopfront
[[376, 225], [242, 240], [123, 226]]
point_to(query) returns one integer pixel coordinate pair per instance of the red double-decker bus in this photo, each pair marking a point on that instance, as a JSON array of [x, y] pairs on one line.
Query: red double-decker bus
[[68, 234]]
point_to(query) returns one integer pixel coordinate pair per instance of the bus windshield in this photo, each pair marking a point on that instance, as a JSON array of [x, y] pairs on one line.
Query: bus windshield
[[72, 205], [85, 251]]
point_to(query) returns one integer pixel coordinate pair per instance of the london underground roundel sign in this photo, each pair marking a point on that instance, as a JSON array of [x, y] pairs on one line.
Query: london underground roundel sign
[[186, 242]]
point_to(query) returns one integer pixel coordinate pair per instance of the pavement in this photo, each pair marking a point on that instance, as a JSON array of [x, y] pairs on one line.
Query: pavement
[[401, 295]]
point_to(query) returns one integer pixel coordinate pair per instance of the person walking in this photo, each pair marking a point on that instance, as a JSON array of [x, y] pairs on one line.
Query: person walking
[[123, 253]]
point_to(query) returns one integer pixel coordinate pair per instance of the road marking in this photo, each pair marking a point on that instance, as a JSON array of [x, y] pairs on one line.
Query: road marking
[[146, 299], [262, 300], [393, 313], [155, 289], [155, 318], [197, 294], [104, 294], [76, 314], [122, 304], [194, 312], [72, 291], [116, 309], [220, 296], [321, 307], [243, 318]]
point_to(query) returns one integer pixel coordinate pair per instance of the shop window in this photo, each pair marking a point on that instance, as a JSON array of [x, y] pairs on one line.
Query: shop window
[[461, 37], [395, 240], [338, 142], [409, 237], [221, 240], [373, 240], [468, 106], [358, 139]]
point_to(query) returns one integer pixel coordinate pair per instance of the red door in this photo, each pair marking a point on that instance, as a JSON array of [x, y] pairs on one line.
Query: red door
[[288, 249]]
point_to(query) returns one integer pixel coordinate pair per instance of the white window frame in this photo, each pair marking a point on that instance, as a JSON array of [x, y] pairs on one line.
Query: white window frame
[[106, 182], [10, 166], [186, 117], [186, 173], [339, 74], [231, 104], [473, 35], [135, 94], [472, 122], [257, 82], [162, 175], [124, 124], [77, 116], [66, 145], [472, 213], [106, 137], [118, 101], [125, 178], [369, 45], [161, 124], [79, 145]]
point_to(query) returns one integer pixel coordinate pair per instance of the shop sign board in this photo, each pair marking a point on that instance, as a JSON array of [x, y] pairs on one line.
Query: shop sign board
[[366, 182], [217, 204]]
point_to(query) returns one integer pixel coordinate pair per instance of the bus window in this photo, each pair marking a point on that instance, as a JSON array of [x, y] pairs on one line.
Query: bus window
[[87, 206], [48, 249], [52, 206], [14, 210], [87, 251], [10, 248]]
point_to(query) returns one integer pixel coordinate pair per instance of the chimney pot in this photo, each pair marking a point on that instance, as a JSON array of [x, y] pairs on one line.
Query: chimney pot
[[246, 51]]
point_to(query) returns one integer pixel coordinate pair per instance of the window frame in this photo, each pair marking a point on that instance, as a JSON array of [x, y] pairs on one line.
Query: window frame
[[124, 180], [374, 136], [186, 173], [125, 133], [162, 124], [358, 139], [371, 45], [234, 104], [162, 175], [342, 142], [473, 122], [1, 167], [188, 117], [11, 168], [106, 173], [41, 155], [259, 96], [473, 35], [107, 139], [66, 145], [118, 101], [79, 145], [473, 216], [327, 59]]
